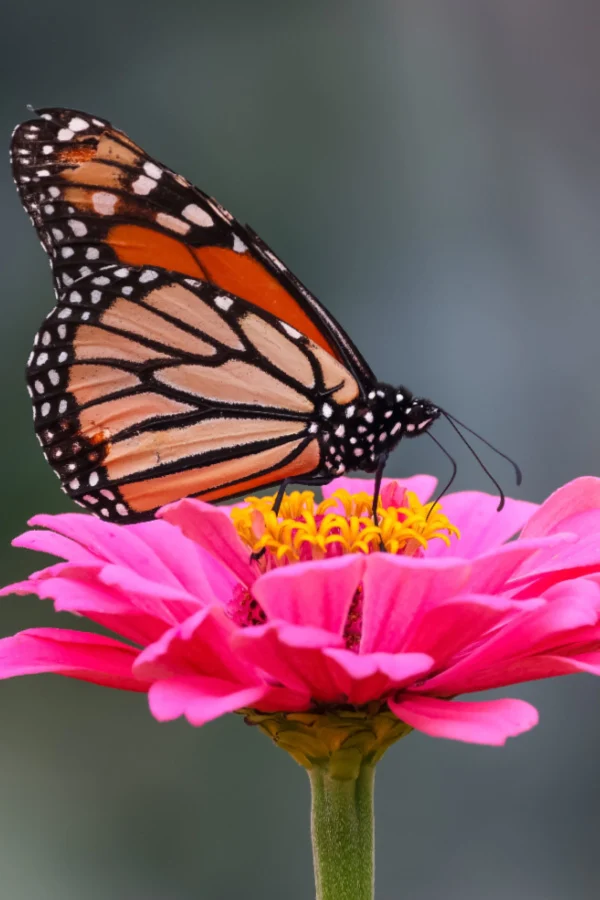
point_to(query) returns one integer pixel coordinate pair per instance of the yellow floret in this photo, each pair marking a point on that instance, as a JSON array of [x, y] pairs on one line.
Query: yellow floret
[[344, 520]]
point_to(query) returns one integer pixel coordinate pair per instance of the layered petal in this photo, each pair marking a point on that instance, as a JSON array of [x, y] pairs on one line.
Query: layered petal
[[315, 594], [482, 527], [200, 699], [292, 656], [213, 530], [483, 722], [361, 678], [397, 589], [77, 654]]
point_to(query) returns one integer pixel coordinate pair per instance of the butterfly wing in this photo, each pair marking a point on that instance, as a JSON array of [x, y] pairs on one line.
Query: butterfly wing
[[96, 198], [149, 386]]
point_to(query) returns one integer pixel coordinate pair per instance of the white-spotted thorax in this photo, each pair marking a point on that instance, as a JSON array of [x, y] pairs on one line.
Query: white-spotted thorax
[[357, 435]]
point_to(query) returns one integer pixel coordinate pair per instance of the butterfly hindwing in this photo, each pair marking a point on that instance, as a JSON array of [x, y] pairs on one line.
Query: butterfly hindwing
[[149, 385], [96, 198]]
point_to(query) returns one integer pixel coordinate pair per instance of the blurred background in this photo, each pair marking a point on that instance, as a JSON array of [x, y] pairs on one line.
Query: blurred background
[[432, 172]]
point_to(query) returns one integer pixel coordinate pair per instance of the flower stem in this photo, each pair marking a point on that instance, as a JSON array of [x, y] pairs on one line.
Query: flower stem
[[342, 833]]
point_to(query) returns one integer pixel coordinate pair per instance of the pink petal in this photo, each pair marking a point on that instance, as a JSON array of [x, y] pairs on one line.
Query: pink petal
[[540, 630], [421, 485], [397, 589], [200, 699], [160, 601], [483, 722], [491, 572], [78, 589], [571, 558], [110, 543], [292, 655], [76, 654], [481, 526], [536, 667], [314, 593], [198, 646], [55, 545], [446, 629], [198, 573], [212, 529], [364, 678], [574, 507]]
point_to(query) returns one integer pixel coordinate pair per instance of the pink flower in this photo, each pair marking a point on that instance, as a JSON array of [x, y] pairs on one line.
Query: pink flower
[[322, 622]]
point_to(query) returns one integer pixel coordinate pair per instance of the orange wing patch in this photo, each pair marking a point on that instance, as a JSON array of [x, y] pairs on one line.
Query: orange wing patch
[[139, 246], [238, 474], [151, 448], [114, 416], [110, 202], [244, 276]]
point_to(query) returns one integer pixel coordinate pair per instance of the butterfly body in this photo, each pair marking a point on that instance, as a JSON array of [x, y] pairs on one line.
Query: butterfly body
[[183, 358]]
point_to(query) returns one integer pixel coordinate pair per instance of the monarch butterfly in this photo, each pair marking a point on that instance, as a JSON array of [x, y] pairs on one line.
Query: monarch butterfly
[[183, 357]]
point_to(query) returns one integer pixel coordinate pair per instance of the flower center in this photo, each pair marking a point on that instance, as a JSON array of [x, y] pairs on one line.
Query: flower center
[[306, 530]]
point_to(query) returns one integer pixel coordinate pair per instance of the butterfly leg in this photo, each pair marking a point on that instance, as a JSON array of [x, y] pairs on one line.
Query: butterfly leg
[[377, 489], [276, 507]]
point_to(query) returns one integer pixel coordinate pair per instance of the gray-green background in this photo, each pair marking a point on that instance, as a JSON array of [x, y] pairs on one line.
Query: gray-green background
[[432, 171]]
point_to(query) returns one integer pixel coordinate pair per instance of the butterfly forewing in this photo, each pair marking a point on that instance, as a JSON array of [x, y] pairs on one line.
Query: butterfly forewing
[[96, 198], [148, 386]]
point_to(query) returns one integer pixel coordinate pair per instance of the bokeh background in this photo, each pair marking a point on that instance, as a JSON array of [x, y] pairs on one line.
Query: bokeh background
[[431, 171]]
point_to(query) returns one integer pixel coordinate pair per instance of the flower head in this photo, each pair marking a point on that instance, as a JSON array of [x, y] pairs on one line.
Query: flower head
[[323, 622]]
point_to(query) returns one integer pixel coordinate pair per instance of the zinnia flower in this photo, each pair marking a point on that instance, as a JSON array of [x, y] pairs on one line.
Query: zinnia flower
[[322, 628]]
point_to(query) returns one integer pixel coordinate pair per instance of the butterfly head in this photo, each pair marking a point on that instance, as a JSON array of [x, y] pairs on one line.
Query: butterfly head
[[418, 414]]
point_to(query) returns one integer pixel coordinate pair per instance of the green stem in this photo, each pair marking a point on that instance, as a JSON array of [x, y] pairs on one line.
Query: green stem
[[342, 834]]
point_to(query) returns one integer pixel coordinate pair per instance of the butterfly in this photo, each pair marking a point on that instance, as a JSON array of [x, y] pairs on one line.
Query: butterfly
[[183, 358]]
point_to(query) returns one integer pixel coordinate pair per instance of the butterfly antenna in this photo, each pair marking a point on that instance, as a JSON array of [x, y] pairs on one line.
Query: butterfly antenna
[[452, 477], [517, 470], [454, 423]]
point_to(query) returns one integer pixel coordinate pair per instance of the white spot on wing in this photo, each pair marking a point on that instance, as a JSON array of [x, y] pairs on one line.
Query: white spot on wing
[[193, 213], [143, 185], [223, 303], [148, 275], [291, 331], [78, 124], [78, 228], [172, 223], [152, 170], [104, 203]]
